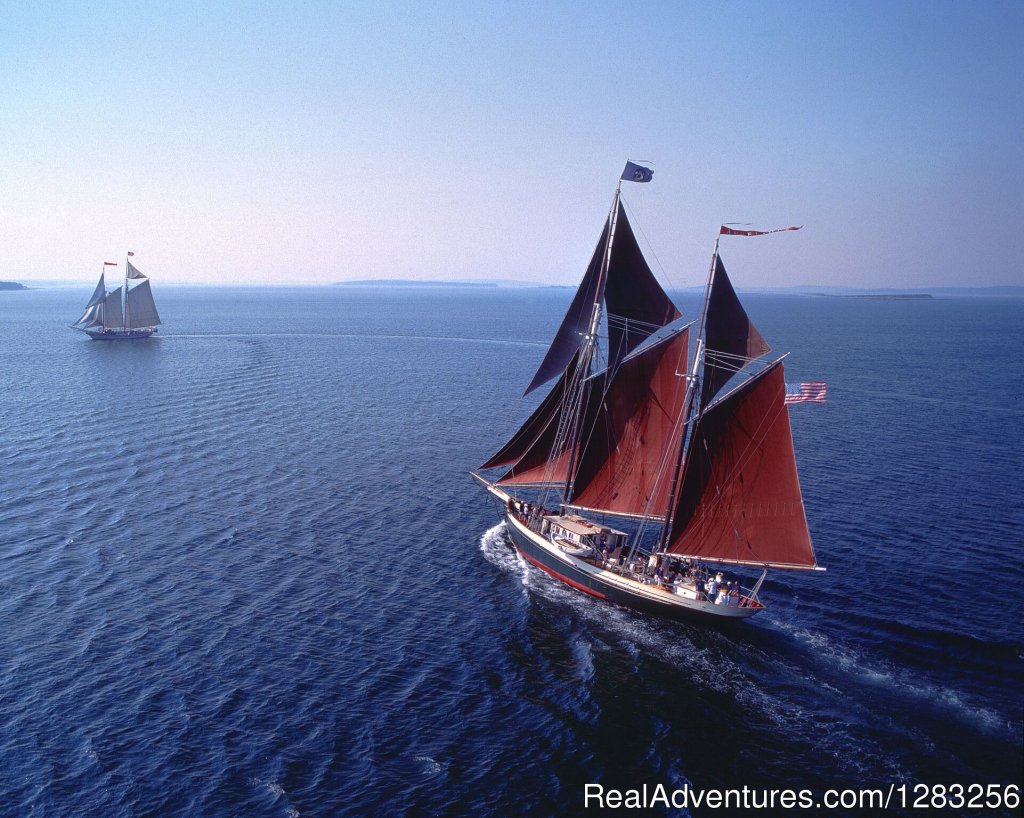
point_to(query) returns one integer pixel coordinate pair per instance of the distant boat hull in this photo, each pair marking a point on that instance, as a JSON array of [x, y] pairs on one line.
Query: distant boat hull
[[120, 334], [598, 582]]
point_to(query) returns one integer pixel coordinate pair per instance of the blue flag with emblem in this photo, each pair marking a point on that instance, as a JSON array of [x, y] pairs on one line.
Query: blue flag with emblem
[[636, 173]]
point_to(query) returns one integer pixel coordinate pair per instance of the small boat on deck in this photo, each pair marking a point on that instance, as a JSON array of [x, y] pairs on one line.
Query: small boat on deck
[[125, 314], [691, 454]]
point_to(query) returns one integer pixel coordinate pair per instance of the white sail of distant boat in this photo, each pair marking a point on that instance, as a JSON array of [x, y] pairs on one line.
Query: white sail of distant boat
[[126, 313]]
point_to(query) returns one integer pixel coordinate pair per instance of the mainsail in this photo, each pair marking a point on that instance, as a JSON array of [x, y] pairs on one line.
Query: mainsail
[[113, 316], [622, 465], [140, 306], [740, 498]]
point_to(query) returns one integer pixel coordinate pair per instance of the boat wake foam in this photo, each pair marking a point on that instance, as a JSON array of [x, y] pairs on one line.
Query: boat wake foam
[[707, 658], [877, 672]]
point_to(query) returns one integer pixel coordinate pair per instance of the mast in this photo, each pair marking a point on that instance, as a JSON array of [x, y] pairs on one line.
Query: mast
[[103, 305], [691, 393], [127, 323], [583, 371]]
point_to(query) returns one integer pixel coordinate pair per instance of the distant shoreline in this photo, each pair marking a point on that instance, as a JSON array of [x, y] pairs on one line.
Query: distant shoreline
[[12, 285], [878, 296]]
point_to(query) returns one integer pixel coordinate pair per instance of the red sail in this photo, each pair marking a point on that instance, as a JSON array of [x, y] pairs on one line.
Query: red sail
[[740, 498], [731, 339], [626, 463]]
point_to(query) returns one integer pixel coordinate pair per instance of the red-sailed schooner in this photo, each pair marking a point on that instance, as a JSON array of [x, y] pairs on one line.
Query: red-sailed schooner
[[695, 464]]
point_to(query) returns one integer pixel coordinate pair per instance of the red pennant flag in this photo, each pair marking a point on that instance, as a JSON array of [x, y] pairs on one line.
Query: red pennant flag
[[730, 231], [109, 263], [130, 253]]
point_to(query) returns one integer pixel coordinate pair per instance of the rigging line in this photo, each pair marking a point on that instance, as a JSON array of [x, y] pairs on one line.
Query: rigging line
[[725, 366], [564, 429], [725, 356], [622, 321]]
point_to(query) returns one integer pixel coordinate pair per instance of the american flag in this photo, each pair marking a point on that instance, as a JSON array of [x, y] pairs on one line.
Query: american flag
[[813, 391]]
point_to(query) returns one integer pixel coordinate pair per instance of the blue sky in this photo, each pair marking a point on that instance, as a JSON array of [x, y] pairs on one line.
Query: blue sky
[[315, 142]]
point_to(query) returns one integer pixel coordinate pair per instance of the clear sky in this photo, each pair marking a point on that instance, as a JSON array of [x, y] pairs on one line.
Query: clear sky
[[314, 142]]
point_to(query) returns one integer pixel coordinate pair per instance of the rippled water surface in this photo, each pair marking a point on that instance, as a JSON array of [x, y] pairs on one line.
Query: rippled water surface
[[245, 572]]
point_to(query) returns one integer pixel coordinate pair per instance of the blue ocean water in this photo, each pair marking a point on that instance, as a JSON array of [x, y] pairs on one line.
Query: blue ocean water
[[245, 572]]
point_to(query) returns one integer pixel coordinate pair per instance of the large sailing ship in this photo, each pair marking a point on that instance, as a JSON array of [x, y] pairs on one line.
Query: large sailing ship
[[124, 314], [644, 481]]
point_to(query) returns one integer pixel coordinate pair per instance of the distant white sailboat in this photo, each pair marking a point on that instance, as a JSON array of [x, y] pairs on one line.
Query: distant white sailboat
[[127, 313]]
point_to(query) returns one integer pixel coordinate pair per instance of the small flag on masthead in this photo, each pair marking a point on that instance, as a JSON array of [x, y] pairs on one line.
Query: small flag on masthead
[[636, 173]]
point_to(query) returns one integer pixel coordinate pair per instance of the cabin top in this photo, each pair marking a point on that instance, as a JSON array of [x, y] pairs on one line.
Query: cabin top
[[579, 525]]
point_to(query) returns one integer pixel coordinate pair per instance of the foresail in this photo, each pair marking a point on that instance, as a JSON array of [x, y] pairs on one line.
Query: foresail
[[740, 497], [731, 339], [535, 425], [99, 293], [573, 330], [635, 302], [629, 451], [112, 314], [546, 460], [92, 316], [141, 307]]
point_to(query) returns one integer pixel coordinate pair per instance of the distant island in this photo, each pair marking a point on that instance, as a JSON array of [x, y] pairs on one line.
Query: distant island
[[1011, 291], [879, 296], [12, 285]]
